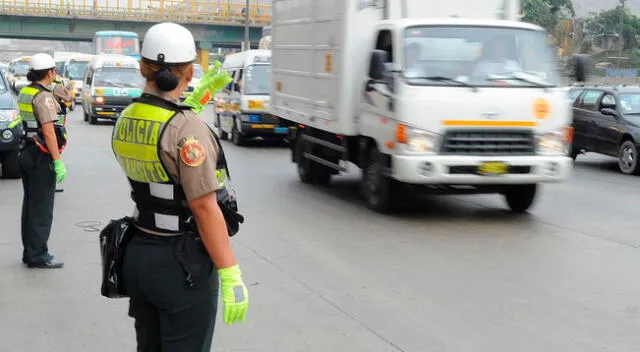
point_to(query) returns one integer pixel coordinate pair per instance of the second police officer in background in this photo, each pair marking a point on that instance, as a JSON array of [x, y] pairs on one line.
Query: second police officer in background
[[170, 156], [40, 161], [63, 97]]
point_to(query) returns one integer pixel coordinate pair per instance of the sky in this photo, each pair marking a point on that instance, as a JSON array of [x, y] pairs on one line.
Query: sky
[[583, 7]]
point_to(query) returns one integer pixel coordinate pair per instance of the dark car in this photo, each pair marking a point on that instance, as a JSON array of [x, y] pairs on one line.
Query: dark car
[[606, 120], [11, 131]]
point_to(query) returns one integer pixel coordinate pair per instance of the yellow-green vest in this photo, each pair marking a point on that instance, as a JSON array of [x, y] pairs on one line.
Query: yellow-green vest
[[25, 105], [160, 202]]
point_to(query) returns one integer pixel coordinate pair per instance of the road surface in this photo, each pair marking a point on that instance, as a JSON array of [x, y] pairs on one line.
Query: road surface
[[460, 274]]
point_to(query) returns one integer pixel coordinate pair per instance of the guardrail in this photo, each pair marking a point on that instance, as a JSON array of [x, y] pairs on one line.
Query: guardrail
[[204, 12]]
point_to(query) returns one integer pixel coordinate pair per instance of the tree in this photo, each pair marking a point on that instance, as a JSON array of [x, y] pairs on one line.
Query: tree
[[547, 13], [607, 22]]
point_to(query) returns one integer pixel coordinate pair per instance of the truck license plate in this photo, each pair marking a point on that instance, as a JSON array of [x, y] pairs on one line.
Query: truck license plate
[[281, 130], [493, 168]]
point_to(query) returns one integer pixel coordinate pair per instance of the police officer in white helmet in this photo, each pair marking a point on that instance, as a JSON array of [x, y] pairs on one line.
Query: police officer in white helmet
[[40, 161], [180, 246]]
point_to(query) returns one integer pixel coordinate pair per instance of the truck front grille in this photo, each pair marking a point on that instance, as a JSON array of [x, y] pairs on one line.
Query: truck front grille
[[488, 142]]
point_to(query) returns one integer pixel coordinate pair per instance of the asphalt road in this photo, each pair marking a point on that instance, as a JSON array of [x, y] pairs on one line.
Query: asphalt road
[[459, 274]]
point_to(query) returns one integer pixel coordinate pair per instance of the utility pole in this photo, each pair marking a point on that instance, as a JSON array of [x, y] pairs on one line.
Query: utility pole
[[247, 44], [621, 30]]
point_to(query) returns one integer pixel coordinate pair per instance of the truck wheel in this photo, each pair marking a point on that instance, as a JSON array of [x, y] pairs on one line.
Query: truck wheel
[[93, 120], [628, 158], [236, 137], [73, 105], [86, 116], [520, 197], [378, 189], [11, 165], [308, 171]]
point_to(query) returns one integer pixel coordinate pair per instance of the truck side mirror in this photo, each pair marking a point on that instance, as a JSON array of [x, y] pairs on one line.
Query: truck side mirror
[[582, 67], [376, 66], [236, 87]]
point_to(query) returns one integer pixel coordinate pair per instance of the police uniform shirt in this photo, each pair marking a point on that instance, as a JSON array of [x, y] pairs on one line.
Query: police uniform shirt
[[189, 153], [61, 93], [45, 107]]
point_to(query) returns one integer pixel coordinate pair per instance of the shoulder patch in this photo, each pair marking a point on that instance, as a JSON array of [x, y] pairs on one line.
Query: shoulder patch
[[192, 153], [50, 103]]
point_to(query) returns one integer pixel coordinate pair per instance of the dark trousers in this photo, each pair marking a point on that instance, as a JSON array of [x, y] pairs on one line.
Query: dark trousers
[[170, 315], [39, 185]]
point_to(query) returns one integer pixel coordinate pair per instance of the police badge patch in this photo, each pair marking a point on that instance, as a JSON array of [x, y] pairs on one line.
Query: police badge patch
[[192, 153]]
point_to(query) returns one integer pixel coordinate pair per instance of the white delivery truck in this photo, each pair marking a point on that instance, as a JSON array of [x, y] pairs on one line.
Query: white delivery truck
[[452, 96]]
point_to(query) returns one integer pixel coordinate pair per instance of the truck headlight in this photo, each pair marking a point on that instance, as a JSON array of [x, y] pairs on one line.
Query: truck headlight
[[416, 140], [557, 142]]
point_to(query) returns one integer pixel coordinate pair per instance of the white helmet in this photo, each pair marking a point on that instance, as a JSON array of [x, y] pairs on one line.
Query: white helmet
[[42, 62], [168, 43]]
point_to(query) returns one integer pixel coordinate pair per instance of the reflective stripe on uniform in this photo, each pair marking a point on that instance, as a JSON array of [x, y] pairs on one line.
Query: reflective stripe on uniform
[[25, 105], [135, 141]]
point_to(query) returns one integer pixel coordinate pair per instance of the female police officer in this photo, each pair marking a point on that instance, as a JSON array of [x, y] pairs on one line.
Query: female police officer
[[169, 156], [40, 162]]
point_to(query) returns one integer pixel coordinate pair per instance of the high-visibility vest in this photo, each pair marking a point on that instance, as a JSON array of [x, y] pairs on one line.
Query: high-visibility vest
[[160, 202], [25, 105], [30, 122]]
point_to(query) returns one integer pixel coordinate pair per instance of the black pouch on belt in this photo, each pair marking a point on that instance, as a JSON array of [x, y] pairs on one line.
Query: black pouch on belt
[[114, 239], [192, 255]]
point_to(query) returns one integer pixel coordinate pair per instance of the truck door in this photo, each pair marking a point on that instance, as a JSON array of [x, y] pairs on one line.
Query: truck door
[[379, 98]]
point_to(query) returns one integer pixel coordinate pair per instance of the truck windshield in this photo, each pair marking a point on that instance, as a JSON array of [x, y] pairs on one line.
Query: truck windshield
[[482, 56], [77, 69], [118, 77], [257, 80], [21, 68]]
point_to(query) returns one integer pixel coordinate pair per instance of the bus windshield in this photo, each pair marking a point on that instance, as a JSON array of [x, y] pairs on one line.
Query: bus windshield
[[116, 44], [77, 69], [118, 77]]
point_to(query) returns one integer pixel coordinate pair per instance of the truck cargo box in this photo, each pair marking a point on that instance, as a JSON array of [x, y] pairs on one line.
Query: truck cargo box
[[321, 52]]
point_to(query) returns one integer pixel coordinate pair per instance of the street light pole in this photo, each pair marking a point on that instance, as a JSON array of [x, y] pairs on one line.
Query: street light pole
[[621, 29], [247, 45]]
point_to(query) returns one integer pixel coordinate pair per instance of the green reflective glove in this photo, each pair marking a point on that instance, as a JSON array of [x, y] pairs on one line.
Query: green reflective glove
[[235, 296], [60, 169], [210, 84]]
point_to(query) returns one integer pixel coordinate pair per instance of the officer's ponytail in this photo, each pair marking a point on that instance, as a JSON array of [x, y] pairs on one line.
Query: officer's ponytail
[[166, 80], [37, 75]]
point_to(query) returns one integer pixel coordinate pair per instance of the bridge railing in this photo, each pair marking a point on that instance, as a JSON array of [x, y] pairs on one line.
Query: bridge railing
[[187, 11]]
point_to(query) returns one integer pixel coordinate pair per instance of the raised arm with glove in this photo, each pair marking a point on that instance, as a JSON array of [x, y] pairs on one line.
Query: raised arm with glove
[[212, 82], [235, 296]]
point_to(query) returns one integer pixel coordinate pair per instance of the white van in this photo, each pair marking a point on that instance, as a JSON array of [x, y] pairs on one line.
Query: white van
[[110, 84], [73, 69], [242, 108]]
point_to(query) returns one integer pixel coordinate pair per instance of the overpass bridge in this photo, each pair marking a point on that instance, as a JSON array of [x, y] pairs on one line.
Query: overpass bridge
[[214, 23]]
